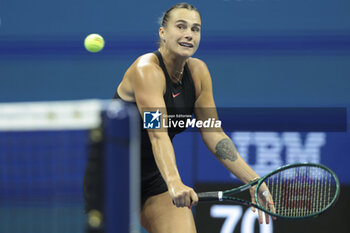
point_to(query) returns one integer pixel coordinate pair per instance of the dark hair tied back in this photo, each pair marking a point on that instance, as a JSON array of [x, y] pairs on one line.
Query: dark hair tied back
[[165, 18]]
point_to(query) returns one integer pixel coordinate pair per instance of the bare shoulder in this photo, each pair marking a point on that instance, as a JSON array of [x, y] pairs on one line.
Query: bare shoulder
[[200, 74], [146, 67], [147, 76], [145, 72], [199, 70], [147, 59], [196, 65]]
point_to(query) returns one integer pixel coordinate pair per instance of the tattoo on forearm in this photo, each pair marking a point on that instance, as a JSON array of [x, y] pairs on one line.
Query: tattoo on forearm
[[225, 149]]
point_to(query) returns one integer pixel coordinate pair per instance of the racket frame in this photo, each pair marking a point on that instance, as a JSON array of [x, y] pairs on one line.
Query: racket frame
[[226, 195], [316, 214]]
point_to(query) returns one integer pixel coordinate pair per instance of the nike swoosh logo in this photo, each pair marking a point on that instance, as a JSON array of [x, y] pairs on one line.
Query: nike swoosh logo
[[175, 95]]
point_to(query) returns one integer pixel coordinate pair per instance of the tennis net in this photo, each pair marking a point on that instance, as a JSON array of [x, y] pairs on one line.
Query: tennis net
[[44, 152]]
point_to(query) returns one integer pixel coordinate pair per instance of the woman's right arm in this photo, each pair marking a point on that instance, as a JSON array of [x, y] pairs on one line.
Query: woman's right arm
[[149, 86]]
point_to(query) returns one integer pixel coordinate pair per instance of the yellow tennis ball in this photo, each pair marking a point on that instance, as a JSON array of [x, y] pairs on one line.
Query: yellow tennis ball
[[95, 218], [94, 43]]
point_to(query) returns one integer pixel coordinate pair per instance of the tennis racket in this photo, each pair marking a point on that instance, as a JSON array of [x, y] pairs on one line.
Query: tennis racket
[[294, 191]]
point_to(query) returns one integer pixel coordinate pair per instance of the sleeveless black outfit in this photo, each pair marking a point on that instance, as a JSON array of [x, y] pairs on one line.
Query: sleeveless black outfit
[[179, 98]]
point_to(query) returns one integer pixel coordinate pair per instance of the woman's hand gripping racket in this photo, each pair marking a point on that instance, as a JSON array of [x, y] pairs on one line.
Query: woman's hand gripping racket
[[295, 191], [265, 199]]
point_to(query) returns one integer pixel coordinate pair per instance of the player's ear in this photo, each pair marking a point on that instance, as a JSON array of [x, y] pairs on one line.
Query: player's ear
[[162, 34]]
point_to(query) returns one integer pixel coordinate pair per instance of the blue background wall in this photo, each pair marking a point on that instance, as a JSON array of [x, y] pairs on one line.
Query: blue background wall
[[260, 52]]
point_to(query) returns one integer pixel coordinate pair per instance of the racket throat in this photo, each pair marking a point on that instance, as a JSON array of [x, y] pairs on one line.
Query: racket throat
[[220, 194]]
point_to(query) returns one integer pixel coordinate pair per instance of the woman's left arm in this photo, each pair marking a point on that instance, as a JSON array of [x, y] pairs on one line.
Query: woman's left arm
[[216, 140]]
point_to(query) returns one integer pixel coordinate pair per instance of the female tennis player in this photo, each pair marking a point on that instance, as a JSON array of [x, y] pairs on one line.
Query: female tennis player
[[171, 79]]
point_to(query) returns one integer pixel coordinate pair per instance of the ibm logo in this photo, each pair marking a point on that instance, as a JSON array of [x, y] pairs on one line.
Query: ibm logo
[[271, 150], [151, 120]]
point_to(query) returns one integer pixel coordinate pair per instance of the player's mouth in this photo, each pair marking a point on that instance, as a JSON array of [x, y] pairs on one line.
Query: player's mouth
[[185, 44]]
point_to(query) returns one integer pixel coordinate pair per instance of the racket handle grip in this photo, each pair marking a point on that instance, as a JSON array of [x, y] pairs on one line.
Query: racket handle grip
[[209, 196]]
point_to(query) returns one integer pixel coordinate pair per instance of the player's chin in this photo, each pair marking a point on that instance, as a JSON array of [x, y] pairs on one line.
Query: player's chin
[[187, 52]]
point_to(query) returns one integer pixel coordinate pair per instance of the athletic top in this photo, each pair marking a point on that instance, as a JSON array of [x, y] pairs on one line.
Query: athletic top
[[179, 98]]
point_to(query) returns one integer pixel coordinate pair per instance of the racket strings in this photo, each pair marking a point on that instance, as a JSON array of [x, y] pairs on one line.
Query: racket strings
[[301, 191]]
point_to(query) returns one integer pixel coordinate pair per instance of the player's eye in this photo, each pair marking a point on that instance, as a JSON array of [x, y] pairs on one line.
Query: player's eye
[[196, 29], [181, 26]]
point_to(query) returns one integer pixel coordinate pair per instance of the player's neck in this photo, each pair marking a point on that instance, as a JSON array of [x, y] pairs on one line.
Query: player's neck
[[174, 64]]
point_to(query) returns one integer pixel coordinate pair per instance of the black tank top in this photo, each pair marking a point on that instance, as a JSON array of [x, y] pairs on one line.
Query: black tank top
[[179, 98]]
